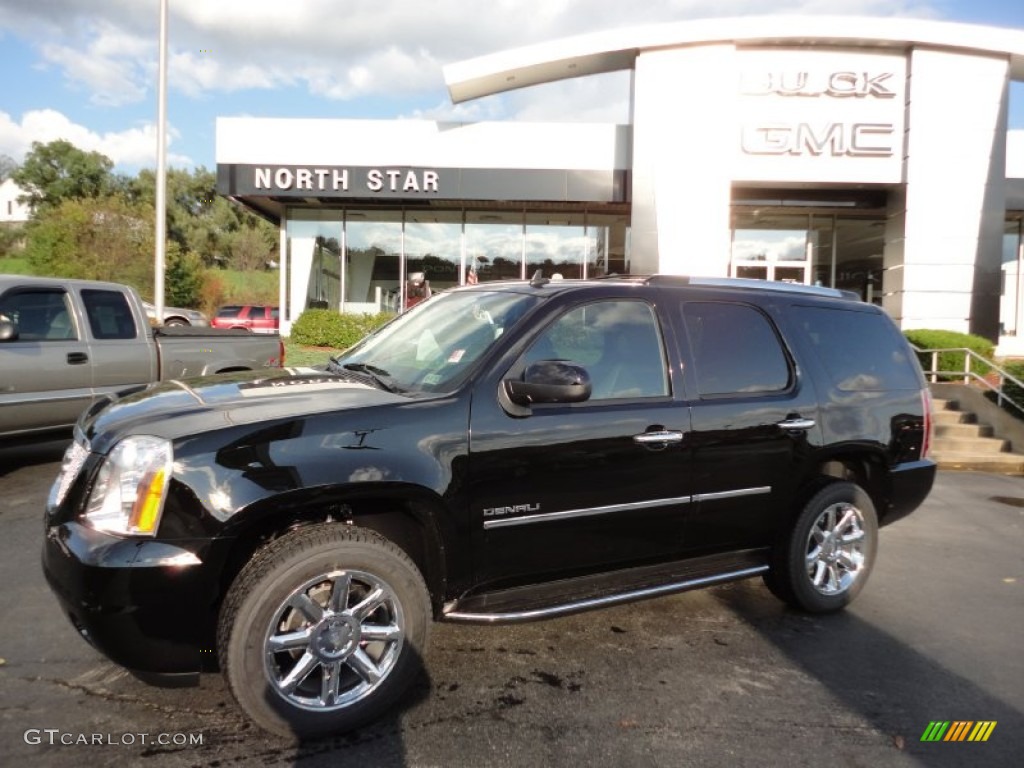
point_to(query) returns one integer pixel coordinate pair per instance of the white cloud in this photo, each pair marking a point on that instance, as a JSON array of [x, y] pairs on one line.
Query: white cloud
[[132, 148], [333, 50]]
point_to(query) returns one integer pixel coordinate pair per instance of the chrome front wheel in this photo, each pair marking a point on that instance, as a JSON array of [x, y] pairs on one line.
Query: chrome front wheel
[[334, 640], [323, 630]]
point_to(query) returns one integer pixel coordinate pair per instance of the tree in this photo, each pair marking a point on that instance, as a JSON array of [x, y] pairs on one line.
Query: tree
[[94, 239], [59, 171], [251, 247], [183, 277], [7, 167], [205, 224]]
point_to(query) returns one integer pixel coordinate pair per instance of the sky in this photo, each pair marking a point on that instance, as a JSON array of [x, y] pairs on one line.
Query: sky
[[86, 71]]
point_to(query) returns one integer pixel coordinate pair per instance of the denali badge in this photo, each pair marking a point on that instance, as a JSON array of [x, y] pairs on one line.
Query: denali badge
[[514, 510]]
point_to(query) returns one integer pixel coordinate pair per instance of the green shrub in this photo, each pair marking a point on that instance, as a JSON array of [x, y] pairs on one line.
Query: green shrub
[[952, 362], [328, 328], [1011, 390]]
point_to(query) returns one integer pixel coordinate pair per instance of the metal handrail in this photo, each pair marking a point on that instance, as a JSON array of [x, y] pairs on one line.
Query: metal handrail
[[968, 375]]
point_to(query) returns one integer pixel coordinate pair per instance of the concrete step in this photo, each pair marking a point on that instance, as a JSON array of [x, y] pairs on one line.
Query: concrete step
[[945, 405], [970, 444], [962, 430], [1000, 463], [953, 417]]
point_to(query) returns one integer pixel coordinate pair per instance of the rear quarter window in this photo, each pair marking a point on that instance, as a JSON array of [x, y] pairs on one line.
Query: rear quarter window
[[735, 350], [860, 351]]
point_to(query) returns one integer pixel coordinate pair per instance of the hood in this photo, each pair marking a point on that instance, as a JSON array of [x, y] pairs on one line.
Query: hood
[[188, 407]]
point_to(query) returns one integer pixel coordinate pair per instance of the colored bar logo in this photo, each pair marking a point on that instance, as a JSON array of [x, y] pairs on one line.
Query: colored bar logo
[[958, 730]]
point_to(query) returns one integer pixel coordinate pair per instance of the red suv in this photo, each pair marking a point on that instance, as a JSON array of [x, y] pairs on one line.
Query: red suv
[[252, 317]]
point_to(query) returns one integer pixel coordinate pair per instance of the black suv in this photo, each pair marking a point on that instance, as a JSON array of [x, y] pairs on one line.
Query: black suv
[[500, 453]]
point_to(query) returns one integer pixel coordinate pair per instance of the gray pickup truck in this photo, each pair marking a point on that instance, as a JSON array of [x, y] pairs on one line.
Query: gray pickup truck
[[66, 343]]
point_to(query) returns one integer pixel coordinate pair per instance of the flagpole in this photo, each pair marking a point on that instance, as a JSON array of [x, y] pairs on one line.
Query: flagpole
[[161, 171]]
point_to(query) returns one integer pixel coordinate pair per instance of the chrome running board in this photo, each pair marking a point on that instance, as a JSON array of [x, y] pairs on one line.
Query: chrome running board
[[453, 614]]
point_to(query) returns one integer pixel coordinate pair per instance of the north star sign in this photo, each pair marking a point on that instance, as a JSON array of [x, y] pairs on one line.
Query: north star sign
[[370, 180]]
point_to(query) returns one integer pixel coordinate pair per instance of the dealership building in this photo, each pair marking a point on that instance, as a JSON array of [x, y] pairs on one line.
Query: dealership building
[[867, 154]]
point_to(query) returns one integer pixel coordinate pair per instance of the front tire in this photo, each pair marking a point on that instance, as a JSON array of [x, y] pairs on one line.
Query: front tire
[[323, 631], [830, 551]]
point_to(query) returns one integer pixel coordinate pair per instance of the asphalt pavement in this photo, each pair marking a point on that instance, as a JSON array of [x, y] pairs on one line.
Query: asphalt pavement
[[721, 677]]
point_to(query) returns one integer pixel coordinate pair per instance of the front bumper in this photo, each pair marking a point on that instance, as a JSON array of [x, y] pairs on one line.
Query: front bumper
[[147, 605]]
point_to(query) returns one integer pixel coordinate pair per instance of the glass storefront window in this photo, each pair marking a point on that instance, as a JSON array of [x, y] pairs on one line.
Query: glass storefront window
[[314, 262], [860, 245], [433, 247], [1011, 305], [372, 277], [384, 249], [774, 242], [555, 244], [824, 249], [607, 244], [822, 239], [494, 245]]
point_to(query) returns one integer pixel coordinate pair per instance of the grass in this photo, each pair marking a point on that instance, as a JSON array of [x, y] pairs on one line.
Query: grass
[[299, 355], [13, 265]]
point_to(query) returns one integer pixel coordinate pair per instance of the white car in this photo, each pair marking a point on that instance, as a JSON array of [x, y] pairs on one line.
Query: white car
[[177, 316]]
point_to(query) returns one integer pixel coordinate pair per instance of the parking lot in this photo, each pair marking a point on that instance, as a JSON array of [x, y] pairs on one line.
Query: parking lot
[[726, 676]]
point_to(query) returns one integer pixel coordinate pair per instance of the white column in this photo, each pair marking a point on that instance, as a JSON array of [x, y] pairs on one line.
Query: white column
[[284, 308], [683, 141], [955, 200]]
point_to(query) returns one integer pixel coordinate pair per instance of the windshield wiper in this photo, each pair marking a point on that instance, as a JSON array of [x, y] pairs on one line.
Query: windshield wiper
[[382, 378]]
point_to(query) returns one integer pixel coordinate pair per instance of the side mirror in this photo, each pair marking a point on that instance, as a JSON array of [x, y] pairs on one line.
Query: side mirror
[[8, 331], [550, 381]]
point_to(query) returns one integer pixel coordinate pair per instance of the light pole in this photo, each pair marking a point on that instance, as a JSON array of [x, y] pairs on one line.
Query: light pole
[[161, 171]]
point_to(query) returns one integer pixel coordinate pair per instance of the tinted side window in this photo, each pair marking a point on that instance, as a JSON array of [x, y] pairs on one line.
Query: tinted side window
[[109, 315], [735, 348], [861, 351], [231, 311], [41, 315], [618, 342]]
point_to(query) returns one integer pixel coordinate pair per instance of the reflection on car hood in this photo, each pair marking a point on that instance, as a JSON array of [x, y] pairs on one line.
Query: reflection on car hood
[[178, 408]]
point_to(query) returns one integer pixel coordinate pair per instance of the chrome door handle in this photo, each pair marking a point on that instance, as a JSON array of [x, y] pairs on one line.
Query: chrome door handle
[[660, 438], [796, 423]]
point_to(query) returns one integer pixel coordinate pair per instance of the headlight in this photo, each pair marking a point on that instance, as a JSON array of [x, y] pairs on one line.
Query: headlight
[[128, 494], [71, 465]]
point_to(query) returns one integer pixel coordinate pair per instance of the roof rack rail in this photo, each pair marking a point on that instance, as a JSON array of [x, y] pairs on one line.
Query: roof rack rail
[[753, 284]]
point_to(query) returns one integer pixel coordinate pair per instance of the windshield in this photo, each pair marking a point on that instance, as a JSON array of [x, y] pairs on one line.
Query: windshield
[[430, 348]]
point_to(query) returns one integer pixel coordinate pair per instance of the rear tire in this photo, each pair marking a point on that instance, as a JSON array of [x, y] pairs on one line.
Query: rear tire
[[323, 631], [830, 551]]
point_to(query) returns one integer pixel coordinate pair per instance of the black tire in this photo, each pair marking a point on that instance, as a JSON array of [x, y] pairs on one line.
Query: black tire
[[175, 321], [830, 551], [343, 678]]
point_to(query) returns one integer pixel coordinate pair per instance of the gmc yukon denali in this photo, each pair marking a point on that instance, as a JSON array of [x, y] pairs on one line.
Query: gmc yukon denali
[[66, 343], [502, 452]]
